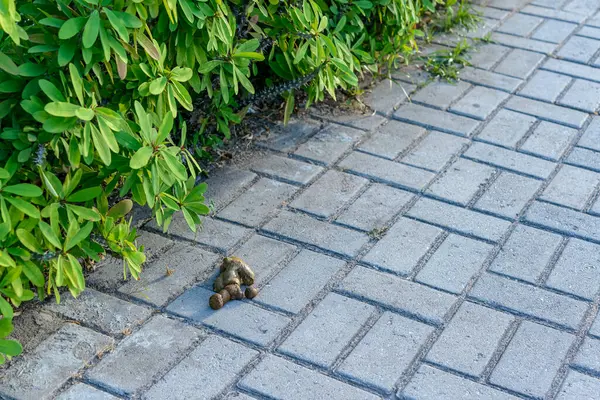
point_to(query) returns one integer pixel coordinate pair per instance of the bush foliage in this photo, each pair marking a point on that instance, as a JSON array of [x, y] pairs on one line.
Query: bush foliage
[[103, 103]]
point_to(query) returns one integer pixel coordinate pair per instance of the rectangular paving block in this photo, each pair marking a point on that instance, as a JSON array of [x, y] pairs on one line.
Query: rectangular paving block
[[520, 24], [520, 63], [583, 95], [523, 43], [508, 195], [382, 203], [305, 229], [553, 14], [435, 150], [506, 128], [584, 158], [225, 184], [406, 297], [435, 119], [582, 7], [461, 181], [579, 386], [154, 244], [564, 220], [479, 103], [526, 253], [277, 378], [532, 359], [545, 86], [82, 391], [470, 339], [387, 95], [529, 300], [327, 330], [382, 356], [294, 171], [205, 372], [553, 31], [258, 202], [433, 384], [588, 356], [300, 281], [579, 49], [185, 265], [154, 349], [238, 318], [590, 32], [555, 4], [330, 144], [577, 271], [459, 219], [286, 138], [108, 314], [403, 245], [391, 139], [572, 187], [490, 79], [510, 160], [510, 5], [572, 69], [488, 55], [454, 263], [328, 194], [440, 94], [39, 373], [549, 112], [591, 136], [392, 173], [549, 140]]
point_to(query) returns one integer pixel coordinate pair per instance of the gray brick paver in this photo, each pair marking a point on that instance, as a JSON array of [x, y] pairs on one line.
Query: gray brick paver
[[591, 136], [549, 140], [82, 391], [564, 220], [520, 24], [571, 187], [579, 49], [461, 181], [588, 356], [520, 63], [490, 79], [440, 94], [435, 150], [584, 158], [391, 139], [507, 128], [508, 195], [582, 95], [523, 43], [479, 103], [436, 119], [578, 386], [549, 112], [577, 271], [553, 31], [545, 86], [487, 56], [330, 144]]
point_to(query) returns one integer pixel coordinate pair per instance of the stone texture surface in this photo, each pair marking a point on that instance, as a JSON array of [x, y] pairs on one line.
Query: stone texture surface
[[436, 119], [83, 391], [506, 128], [391, 139], [461, 181], [508, 195], [545, 86], [434, 151], [549, 140]]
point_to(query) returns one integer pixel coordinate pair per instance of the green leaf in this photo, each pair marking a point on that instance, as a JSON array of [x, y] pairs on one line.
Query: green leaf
[[29, 241], [66, 51], [77, 82], [42, 48], [51, 91], [85, 114], [147, 44], [33, 273], [24, 206], [117, 24], [141, 157], [4, 174], [120, 209], [23, 189], [81, 234], [175, 165], [71, 28], [6, 261], [49, 234], [157, 86], [85, 195], [86, 213], [6, 327], [182, 95], [5, 308], [129, 20], [101, 145], [250, 55], [181, 74], [61, 109], [165, 128], [90, 32], [10, 347], [8, 65], [143, 121], [208, 66], [31, 70]]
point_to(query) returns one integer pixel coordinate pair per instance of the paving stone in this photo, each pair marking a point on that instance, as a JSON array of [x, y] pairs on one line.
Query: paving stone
[[327, 330], [508, 195], [490, 79], [593, 21], [479, 103], [436, 119], [454, 263], [403, 246], [510, 160], [238, 396], [578, 386], [588, 357], [556, 4], [330, 144], [39, 373], [582, 7], [205, 372], [583, 95], [285, 168], [387, 95], [590, 32], [300, 281], [545, 86], [595, 329], [154, 245], [382, 203], [584, 158], [187, 265], [456, 218], [287, 138], [82, 391], [571, 187], [277, 378], [399, 295], [554, 14], [154, 349], [411, 74], [564, 220], [487, 56], [365, 120], [258, 202], [532, 359], [107, 313], [305, 229], [506, 128], [549, 140], [329, 193], [572, 69], [591, 136], [440, 94], [523, 43], [520, 24], [577, 270], [553, 31], [489, 12], [434, 151], [382, 356], [391, 139], [520, 63], [461, 181], [238, 318], [226, 184], [432, 384], [529, 300], [549, 112], [579, 49], [596, 207], [526, 253], [470, 339], [392, 173], [507, 4]]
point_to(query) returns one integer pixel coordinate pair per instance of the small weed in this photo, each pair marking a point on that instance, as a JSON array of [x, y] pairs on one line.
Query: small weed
[[487, 38], [377, 233], [457, 14], [446, 64]]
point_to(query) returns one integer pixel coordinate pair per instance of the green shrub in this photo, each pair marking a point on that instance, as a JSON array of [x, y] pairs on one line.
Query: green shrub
[[97, 112]]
